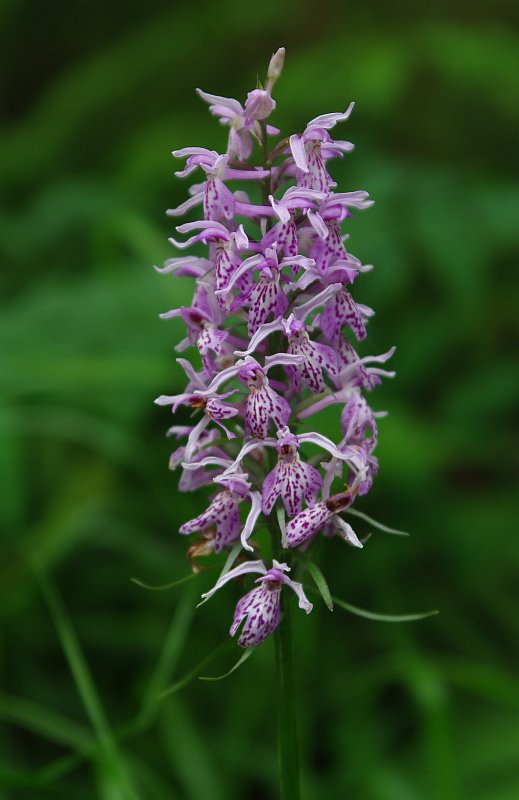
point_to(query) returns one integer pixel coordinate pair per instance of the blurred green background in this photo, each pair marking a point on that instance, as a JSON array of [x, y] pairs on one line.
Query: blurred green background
[[94, 97]]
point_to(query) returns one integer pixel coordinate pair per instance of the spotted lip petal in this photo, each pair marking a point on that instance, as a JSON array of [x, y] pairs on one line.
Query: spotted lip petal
[[306, 524], [262, 405], [261, 610], [292, 481]]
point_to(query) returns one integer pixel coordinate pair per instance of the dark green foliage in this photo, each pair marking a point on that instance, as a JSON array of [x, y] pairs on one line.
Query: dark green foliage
[[95, 96]]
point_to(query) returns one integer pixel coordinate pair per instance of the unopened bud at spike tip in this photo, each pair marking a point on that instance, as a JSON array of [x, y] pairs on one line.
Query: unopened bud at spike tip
[[275, 67]]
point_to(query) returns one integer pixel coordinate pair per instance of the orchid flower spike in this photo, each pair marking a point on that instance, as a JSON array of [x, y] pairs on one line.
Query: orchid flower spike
[[269, 344]]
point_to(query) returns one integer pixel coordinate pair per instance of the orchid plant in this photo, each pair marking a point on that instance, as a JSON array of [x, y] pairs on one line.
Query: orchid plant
[[273, 317]]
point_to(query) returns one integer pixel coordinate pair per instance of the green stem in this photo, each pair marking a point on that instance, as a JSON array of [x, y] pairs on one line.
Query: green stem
[[285, 696], [266, 186], [287, 735]]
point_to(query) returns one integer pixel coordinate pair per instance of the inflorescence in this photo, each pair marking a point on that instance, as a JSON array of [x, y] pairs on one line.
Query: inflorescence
[[271, 305]]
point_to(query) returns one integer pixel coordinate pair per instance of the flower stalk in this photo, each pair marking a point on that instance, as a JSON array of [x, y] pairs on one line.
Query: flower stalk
[[286, 707]]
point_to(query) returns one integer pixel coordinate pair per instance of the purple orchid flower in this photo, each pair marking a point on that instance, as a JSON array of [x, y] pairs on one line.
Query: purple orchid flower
[[202, 320], [353, 456], [212, 404], [219, 203], [314, 147], [284, 234], [339, 309], [348, 381], [267, 297], [328, 246], [336, 525], [227, 245], [291, 478], [243, 122], [359, 427], [261, 607], [354, 368], [263, 402], [223, 512], [315, 357], [311, 520], [195, 478]]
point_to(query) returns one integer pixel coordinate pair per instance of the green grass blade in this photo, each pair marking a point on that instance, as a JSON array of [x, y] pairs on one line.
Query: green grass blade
[[489, 682], [48, 775], [85, 686], [173, 644], [44, 722], [192, 754]]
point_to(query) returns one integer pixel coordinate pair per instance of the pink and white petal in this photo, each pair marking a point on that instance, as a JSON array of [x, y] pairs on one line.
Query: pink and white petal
[[282, 359], [337, 148], [325, 444], [218, 507], [172, 399], [182, 152], [263, 331], [280, 209], [186, 206], [230, 435], [267, 298], [194, 377], [296, 587], [291, 486], [328, 121], [194, 436], [302, 311], [222, 377], [347, 533], [279, 408], [309, 373], [174, 264], [247, 448], [211, 227], [298, 151], [318, 224], [208, 461], [217, 410], [251, 520], [242, 569], [330, 473], [226, 102], [245, 267]]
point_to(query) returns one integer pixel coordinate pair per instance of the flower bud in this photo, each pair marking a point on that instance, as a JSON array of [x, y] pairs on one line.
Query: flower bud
[[275, 67], [259, 104]]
